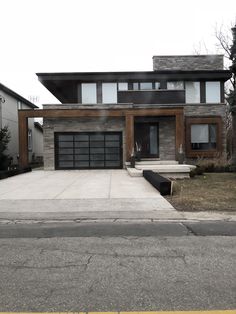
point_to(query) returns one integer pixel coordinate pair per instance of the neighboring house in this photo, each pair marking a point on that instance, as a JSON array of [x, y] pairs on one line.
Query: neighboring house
[[106, 116], [9, 106]]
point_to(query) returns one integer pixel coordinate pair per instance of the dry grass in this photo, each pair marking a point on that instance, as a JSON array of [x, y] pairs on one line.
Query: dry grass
[[211, 191]]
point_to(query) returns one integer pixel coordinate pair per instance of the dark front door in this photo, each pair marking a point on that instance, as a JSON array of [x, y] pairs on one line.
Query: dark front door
[[146, 138], [88, 150]]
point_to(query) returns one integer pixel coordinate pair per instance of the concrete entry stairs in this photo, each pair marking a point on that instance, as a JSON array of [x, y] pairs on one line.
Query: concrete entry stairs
[[167, 168]]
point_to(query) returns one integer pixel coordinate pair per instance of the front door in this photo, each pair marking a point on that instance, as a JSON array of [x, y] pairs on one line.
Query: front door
[[146, 139]]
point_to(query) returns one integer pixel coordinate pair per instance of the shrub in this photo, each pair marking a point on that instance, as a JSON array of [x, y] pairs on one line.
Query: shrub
[[4, 140]]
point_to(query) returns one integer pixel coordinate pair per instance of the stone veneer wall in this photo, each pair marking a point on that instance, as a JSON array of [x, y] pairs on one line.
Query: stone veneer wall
[[207, 110], [167, 139], [77, 125], [190, 63]]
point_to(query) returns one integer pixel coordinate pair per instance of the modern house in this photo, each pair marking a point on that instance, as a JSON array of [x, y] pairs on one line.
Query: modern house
[[104, 117], [10, 103]]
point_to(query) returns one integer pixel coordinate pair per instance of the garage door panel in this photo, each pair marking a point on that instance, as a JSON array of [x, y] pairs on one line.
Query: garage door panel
[[81, 157], [81, 144], [82, 164], [112, 144], [66, 150], [82, 151], [88, 150], [96, 144]]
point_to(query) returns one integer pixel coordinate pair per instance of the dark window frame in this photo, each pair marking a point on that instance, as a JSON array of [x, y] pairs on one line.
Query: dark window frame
[[189, 121]]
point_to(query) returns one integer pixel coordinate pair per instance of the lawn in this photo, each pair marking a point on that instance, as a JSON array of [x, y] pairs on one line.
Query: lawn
[[208, 192]]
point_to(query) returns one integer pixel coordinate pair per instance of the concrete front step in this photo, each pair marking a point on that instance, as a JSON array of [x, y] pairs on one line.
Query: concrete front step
[[168, 171], [154, 162]]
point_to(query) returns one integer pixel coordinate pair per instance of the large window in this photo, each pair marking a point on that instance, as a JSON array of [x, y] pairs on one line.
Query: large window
[[89, 93], [212, 92], [175, 85], [203, 136], [109, 93], [192, 92]]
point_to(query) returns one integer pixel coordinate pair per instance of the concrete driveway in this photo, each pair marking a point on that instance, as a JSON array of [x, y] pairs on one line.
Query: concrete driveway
[[79, 190]]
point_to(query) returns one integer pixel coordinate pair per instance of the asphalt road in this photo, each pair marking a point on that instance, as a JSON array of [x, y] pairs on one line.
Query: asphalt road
[[115, 270]]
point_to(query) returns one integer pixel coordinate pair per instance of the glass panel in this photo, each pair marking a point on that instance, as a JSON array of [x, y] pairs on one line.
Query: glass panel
[[82, 164], [153, 140], [192, 92], [82, 151], [113, 163], [157, 85], [65, 138], [97, 150], [112, 150], [135, 86], [65, 144], [96, 137], [109, 93], [89, 93], [97, 163], [65, 151], [122, 86], [112, 137], [212, 92], [146, 85], [175, 85], [66, 164], [96, 144], [81, 137], [66, 157], [81, 144], [212, 131], [112, 144], [199, 133], [82, 157], [97, 157], [112, 157]]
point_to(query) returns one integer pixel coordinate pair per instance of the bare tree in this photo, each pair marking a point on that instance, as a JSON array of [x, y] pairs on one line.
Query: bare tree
[[226, 43]]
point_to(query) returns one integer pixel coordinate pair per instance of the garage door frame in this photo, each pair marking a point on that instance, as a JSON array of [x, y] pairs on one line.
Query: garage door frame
[[56, 150]]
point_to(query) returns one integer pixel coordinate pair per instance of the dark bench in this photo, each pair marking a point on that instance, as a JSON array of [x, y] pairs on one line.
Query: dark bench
[[162, 184]]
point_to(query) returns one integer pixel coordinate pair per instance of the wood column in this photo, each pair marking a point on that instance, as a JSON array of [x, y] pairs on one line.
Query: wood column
[[129, 134], [23, 140], [179, 133]]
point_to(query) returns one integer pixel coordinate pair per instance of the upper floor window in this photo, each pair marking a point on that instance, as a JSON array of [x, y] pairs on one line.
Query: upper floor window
[[157, 85], [135, 86], [212, 92], [109, 93], [146, 85], [89, 93], [192, 92], [123, 86], [175, 85]]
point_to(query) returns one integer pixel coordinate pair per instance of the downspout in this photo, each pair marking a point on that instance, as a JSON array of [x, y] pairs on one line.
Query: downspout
[[2, 100]]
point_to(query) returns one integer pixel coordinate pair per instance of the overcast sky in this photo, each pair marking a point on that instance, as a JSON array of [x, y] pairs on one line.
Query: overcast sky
[[100, 35]]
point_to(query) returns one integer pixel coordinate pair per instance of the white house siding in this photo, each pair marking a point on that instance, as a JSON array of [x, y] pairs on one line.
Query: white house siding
[[9, 117]]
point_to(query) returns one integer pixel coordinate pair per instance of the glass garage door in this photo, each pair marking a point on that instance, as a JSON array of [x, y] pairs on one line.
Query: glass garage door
[[88, 150]]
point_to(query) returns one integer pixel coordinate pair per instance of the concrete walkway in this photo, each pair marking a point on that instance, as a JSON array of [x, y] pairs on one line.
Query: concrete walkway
[[79, 191]]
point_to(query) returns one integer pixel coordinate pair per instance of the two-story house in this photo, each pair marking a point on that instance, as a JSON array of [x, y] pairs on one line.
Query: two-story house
[[104, 117], [10, 103]]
